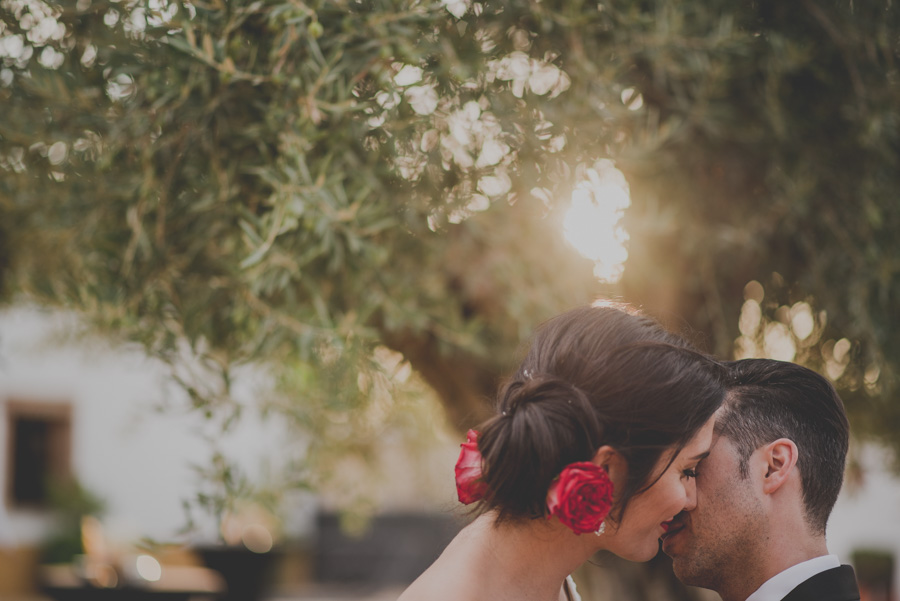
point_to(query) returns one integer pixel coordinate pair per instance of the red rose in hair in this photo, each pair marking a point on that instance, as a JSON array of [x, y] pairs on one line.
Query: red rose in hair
[[469, 485], [581, 497]]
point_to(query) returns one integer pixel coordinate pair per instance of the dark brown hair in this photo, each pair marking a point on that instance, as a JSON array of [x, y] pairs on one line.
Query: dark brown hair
[[768, 400], [594, 376]]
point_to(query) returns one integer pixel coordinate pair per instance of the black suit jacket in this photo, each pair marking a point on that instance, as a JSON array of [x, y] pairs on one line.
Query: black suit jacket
[[836, 584]]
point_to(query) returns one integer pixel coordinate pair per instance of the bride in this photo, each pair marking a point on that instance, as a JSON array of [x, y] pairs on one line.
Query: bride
[[595, 446]]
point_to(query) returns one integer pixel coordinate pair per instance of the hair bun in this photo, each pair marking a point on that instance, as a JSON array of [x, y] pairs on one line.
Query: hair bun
[[540, 389]]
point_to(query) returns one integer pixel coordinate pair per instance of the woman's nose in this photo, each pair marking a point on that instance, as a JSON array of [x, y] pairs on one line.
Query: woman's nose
[[690, 493]]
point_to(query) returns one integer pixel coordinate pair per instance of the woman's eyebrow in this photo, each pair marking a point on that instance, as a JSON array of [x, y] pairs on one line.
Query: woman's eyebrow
[[701, 456]]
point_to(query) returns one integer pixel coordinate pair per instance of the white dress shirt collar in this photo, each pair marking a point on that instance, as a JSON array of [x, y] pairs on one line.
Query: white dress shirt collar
[[778, 586]]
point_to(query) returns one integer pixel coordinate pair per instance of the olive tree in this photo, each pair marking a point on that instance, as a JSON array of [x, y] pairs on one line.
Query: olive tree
[[303, 184]]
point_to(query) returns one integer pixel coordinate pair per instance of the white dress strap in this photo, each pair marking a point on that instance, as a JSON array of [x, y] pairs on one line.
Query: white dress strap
[[573, 592]]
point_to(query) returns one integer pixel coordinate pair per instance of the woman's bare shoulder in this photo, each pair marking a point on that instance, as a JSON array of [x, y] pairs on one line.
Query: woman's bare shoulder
[[459, 574], [443, 583], [427, 591]]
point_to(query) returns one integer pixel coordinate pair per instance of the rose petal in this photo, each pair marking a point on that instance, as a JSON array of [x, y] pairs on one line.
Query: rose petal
[[469, 486]]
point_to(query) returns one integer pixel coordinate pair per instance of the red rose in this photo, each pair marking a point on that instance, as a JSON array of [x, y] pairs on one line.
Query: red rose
[[469, 485], [581, 497]]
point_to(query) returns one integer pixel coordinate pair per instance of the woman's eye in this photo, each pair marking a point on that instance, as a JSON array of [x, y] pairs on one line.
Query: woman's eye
[[690, 473]]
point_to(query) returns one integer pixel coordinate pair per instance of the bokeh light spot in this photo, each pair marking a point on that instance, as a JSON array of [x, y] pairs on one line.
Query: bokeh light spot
[[778, 342], [802, 322], [148, 568]]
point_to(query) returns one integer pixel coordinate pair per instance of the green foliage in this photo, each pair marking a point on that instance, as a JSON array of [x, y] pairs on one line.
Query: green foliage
[[245, 182], [280, 181]]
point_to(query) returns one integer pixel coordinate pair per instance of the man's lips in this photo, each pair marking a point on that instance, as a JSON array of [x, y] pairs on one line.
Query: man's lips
[[671, 528]]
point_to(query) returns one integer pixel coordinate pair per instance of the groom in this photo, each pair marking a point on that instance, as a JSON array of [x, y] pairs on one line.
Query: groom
[[766, 490]]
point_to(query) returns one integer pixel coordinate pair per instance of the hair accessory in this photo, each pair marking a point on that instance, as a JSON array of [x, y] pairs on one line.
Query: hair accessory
[[469, 485], [581, 497], [527, 373]]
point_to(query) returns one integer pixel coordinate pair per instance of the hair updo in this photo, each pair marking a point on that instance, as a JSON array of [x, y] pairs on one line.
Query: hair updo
[[594, 376]]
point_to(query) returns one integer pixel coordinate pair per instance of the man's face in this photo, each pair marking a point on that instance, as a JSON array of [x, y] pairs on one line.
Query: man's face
[[722, 533]]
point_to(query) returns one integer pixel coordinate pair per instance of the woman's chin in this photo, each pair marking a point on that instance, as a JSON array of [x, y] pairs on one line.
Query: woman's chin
[[639, 553]]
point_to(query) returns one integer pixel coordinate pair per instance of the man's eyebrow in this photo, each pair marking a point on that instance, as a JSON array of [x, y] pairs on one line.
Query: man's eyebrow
[[701, 456]]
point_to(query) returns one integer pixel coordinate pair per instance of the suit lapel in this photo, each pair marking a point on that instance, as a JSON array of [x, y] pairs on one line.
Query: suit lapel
[[836, 584]]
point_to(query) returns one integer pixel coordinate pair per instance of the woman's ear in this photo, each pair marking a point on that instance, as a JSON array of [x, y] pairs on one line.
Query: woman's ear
[[780, 457], [612, 461]]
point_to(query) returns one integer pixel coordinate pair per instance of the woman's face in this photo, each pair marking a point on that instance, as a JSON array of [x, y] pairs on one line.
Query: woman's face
[[647, 514]]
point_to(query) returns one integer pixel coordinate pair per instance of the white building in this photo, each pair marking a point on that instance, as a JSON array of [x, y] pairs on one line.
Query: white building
[[83, 408]]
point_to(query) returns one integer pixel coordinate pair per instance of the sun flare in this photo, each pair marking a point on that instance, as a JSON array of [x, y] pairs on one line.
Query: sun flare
[[592, 222]]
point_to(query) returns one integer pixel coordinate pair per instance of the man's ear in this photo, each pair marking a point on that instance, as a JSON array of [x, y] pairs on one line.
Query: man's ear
[[780, 457], [612, 461]]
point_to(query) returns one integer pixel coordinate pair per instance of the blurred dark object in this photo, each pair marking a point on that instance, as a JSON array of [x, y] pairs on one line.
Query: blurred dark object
[[248, 575], [396, 548], [875, 574]]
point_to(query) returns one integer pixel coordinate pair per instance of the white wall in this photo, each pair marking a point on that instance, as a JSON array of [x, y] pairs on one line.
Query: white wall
[[133, 457]]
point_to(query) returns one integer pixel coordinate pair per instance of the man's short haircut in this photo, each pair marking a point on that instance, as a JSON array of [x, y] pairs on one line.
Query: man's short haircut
[[768, 400]]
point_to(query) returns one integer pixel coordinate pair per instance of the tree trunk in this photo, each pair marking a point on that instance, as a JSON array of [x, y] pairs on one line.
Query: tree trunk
[[464, 384]]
